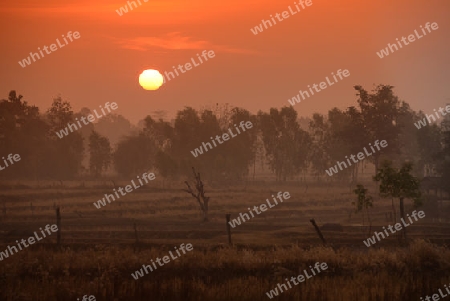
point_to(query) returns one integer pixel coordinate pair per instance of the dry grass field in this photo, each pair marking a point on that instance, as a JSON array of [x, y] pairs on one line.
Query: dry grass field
[[99, 249]]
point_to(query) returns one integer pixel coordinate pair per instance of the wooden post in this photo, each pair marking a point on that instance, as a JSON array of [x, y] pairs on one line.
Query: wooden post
[[313, 222], [58, 224], [227, 216]]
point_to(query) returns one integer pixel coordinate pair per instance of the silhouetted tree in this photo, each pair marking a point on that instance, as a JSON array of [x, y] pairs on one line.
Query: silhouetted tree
[[286, 144], [345, 136], [114, 127], [22, 132], [166, 165], [239, 152], [134, 155], [318, 156], [100, 153], [186, 139], [59, 114], [66, 152], [380, 112], [429, 141], [225, 160], [399, 184], [162, 133]]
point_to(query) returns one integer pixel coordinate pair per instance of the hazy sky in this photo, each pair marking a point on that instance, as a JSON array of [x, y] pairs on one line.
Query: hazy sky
[[255, 72]]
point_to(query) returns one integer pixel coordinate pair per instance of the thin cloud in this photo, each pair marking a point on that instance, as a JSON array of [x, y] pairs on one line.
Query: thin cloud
[[175, 41]]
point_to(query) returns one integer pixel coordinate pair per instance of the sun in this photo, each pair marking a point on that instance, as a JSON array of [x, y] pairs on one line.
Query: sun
[[151, 79]]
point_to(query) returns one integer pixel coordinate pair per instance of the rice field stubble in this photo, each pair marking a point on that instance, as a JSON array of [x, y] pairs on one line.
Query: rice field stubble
[[99, 249]]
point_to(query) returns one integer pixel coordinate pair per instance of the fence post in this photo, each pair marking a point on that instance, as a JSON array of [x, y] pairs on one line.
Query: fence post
[[313, 222], [229, 229]]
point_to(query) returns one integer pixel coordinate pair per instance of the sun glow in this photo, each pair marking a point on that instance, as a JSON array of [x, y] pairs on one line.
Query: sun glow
[[151, 79]]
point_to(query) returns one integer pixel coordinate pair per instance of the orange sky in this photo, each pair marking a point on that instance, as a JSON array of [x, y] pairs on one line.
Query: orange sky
[[252, 71]]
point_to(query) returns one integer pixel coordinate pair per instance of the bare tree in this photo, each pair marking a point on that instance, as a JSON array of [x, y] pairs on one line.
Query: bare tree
[[199, 195]]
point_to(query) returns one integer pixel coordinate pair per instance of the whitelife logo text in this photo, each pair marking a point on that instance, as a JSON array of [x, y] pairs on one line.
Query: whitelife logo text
[[140, 273], [315, 87], [110, 197], [33, 55], [9, 251], [224, 136], [90, 118], [411, 38], [371, 240], [284, 15]]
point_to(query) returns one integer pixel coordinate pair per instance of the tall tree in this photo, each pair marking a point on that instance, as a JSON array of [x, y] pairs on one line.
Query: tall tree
[[318, 156], [344, 127], [286, 144], [59, 114], [429, 142], [185, 139], [162, 133], [134, 155], [114, 127], [240, 152], [85, 131], [222, 160], [23, 132], [100, 153], [66, 152], [380, 111]]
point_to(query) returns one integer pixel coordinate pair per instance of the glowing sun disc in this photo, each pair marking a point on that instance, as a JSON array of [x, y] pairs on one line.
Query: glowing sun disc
[[151, 79]]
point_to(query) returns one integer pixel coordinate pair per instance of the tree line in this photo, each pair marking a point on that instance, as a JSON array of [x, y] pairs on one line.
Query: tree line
[[290, 146]]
